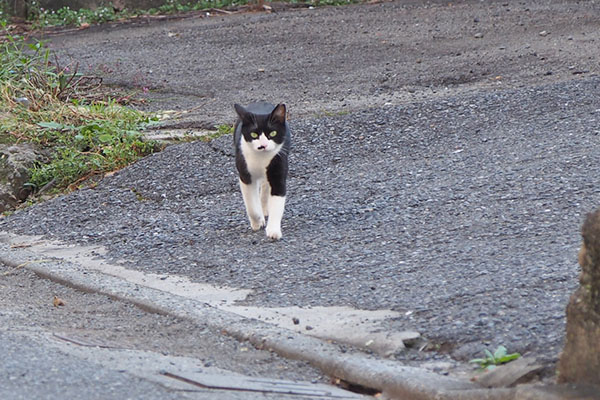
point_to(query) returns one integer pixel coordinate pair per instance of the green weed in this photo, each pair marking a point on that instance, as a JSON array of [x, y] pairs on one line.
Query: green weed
[[97, 144], [499, 357], [65, 16], [84, 131], [179, 6]]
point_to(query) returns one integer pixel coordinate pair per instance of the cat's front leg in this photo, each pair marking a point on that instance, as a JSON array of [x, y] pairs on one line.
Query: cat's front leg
[[265, 191], [251, 196], [275, 206]]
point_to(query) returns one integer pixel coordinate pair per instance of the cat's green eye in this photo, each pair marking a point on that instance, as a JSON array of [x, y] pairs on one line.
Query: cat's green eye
[[273, 134], [254, 135]]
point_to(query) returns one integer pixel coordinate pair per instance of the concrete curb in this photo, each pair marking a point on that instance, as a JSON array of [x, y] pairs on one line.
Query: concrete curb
[[395, 380]]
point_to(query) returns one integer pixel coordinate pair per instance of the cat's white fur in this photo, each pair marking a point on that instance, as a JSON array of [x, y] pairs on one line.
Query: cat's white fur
[[257, 195]]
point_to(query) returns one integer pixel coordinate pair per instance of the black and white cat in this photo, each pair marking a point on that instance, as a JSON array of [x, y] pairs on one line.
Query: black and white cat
[[262, 143]]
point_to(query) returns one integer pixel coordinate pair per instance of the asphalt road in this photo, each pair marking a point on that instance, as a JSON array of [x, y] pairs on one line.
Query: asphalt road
[[93, 346], [330, 59], [33, 371], [455, 202]]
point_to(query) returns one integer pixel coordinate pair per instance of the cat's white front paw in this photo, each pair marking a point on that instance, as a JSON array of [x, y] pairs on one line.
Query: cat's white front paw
[[257, 223], [273, 233]]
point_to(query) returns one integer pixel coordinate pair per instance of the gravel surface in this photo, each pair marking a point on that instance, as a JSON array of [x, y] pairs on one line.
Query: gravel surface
[[333, 59], [461, 213], [448, 182]]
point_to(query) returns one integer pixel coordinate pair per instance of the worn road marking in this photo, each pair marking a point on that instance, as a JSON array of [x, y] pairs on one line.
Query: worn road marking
[[361, 328]]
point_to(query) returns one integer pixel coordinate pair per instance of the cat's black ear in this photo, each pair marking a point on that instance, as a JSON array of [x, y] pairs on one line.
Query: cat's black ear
[[278, 114], [242, 112]]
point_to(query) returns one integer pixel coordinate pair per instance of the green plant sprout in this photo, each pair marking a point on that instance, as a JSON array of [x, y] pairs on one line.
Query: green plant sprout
[[491, 361]]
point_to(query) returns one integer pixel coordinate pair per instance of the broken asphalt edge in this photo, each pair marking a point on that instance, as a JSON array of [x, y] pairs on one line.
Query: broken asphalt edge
[[394, 380]]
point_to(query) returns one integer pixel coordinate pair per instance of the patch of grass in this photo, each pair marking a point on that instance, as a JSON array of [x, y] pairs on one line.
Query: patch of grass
[[84, 131], [491, 361], [65, 16], [104, 138], [222, 130], [179, 6]]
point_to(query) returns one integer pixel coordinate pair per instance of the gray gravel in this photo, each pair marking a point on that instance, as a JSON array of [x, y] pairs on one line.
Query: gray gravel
[[462, 213], [339, 58]]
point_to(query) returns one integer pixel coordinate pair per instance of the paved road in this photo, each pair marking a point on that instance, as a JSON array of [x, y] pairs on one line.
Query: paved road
[[340, 59], [40, 368], [31, 371], [462, 214], [459, 209], [96, 347]]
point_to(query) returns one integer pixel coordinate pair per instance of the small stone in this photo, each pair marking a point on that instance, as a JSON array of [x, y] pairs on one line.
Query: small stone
[[24, 101], [295, 320], [544, 33], [478, 35], [16, 162]]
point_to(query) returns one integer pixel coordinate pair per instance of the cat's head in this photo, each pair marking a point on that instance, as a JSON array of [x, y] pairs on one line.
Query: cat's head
[[264, 132]]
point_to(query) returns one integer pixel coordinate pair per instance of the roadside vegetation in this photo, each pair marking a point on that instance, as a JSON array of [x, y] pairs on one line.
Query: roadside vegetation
[[84, 130], [65, 16], [492, 360]]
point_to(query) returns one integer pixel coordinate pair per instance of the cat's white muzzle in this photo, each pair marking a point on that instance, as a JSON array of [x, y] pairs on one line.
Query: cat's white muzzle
[[263, 144]]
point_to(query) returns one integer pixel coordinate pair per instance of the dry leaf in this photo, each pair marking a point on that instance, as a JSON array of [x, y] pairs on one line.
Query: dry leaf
[[58, 301], [20, 245]]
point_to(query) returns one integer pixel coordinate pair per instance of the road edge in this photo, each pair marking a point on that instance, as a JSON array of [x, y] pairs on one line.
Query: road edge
[[394, 380]]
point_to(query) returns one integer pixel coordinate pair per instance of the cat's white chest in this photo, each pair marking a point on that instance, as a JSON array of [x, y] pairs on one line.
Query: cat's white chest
[[257, 161]]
